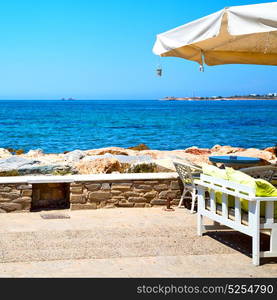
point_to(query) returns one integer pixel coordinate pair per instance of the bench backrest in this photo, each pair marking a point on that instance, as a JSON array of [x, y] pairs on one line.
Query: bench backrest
[[227, 187]]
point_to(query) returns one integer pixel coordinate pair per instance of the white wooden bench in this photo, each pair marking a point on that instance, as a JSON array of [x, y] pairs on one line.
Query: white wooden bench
[[248, 223]]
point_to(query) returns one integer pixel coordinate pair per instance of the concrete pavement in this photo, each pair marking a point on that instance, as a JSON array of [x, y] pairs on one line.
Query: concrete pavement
[[121, 243]]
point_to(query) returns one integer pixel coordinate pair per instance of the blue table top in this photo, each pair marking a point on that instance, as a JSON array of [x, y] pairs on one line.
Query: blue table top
[[234, 159]]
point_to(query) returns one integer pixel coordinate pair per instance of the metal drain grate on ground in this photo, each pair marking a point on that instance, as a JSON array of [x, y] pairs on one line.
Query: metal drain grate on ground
[[55, 216]]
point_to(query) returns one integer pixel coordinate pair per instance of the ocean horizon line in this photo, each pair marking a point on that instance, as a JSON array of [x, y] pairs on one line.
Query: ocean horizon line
[[79, 99], [161, 100]]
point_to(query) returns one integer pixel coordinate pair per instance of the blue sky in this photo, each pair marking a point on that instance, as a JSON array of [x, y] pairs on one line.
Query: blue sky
[[103, 50]]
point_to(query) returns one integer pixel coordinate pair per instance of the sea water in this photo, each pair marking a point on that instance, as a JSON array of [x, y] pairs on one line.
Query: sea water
[[58, 126]]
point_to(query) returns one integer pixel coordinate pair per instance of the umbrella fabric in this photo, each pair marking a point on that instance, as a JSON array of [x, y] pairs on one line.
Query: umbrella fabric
[[235, 35]]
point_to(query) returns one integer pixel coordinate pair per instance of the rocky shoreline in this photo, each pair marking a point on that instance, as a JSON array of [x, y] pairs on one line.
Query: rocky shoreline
[[139, 159]]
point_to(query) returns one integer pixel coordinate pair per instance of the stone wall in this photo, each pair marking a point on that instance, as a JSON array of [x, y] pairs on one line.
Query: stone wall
[[15, 197], [137, 193], [88, 192]]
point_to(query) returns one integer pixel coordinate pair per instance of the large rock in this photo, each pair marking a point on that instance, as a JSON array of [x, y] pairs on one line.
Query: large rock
[[18, 165], [4, 153], [45, 170], [225, 150], [155, 154], [252, 152], [124, 159], [198, 159], [35, 153], [99, 166], [140, 147], [16, 162], [193, 158], [265, 155], [165, 165], [75, 156], [111, 150], [198, 151], [272, 150]]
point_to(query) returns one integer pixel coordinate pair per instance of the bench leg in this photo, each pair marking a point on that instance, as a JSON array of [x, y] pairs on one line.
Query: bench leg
[[256, 249], [201, 205], [273, 240], [254, 210], [200, 225], [182, 198], [193, 201]]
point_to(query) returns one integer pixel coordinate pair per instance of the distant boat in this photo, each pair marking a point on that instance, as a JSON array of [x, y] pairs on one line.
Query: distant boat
[[68, 99]]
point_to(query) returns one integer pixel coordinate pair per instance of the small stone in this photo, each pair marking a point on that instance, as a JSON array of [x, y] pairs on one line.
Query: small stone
[[110, 206], [161, 187], [93, 187], [167, 194], [144, 187], [105, 187], [118, 198], [24, 187], [10, 206], [129, 184], [123, 204], [137, 199], [151, 182], [12, 195], [121, 187], [5, 189], [22, 200], [27, 193], [175, 185], [99, 196], [77, 198], [140, 205], [115, 192], [158, 202], [132, 194], [76, 184], [5, 200], [151, 195], [102, 204], [76, 190], [124, 201], [83, 206], [113, 201]]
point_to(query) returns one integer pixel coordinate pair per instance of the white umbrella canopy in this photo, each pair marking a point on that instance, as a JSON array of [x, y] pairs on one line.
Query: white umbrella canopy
[[235, 35]]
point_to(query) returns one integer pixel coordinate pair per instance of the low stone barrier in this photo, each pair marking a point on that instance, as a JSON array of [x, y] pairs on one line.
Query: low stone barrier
[[137, 193], [15, 197], [92, 191]]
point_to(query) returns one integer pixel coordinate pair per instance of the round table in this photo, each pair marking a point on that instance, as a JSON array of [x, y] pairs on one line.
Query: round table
[[235, 162]]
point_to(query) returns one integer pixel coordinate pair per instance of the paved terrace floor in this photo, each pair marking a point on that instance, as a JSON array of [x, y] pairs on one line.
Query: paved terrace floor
[[122, 243]]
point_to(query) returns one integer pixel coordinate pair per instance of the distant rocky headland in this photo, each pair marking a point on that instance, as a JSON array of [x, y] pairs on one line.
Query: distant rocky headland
[[271, 96], [138, 159]]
